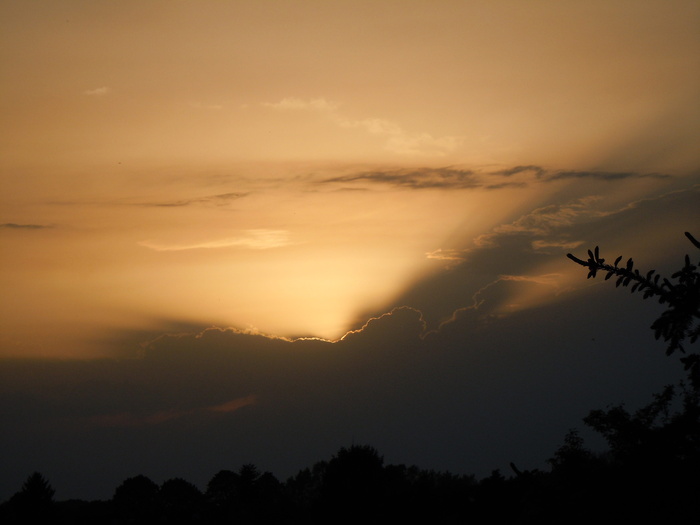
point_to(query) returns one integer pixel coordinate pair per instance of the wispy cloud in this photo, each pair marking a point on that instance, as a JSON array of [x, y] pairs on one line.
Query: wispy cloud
[[401, 141], [397, 139], [541, 244], [15, 226], [560, 226], [130, 419], [516, 170], [543, 221], [601, 175], [446, 255], [211, 107], [414, 178], [97, 92], [251, 239], [422, 144], [221, 199], [297, 104], [545, 174], [461, 178], [233, 405]]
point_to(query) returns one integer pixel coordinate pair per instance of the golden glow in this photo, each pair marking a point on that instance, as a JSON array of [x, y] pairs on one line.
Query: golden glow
[[241, 164]]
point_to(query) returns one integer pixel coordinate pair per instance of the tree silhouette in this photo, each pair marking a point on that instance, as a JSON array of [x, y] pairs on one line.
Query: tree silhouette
[[246, 496], [681, 293], [37, 490], [222, 495], [34, 501], [353, 484], [181, 501], [654, 452], [136, 500]]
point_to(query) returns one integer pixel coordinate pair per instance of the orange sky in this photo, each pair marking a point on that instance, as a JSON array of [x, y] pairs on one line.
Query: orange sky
[[288, 166], [196, 185]]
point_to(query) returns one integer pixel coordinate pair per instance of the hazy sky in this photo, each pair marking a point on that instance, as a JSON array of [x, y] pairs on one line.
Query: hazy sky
[[187, 188]]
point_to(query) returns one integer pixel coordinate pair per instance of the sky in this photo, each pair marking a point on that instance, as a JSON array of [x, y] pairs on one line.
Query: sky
[[255, 232]]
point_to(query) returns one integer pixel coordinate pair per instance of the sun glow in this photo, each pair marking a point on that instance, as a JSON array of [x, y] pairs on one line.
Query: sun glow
[[236, 174]]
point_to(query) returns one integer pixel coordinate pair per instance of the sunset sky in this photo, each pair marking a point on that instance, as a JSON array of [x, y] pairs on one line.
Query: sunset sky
[[226, 222]]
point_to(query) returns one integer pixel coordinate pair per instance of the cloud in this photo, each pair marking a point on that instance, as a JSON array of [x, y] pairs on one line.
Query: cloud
[[446, 255], [448, 400], [542, 221], [233, 405], [535, 244], [97, 92], [261, 239], [400, 141], [601, 175], [545, 174], [221, 199], [422, 144], [443, 376], [560, 244], [516, 170], [424, 178], [397, 140], [564, 226], [211, 107], [375, 126], [131, 419], [405, 320], [15, 226], [460, 178], [297, 104], [494, 299]]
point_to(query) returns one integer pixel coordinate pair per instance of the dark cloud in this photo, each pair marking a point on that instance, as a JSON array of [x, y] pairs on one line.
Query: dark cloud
[[537, 170], [550, 175], [600, 175], [454, 178], [425, 178], [478, 393], [542, 173], [501, 185], [14, 226]]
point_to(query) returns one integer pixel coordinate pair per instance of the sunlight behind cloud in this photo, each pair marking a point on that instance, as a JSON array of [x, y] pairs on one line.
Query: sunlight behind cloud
[[231, 225], [292, 168]]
